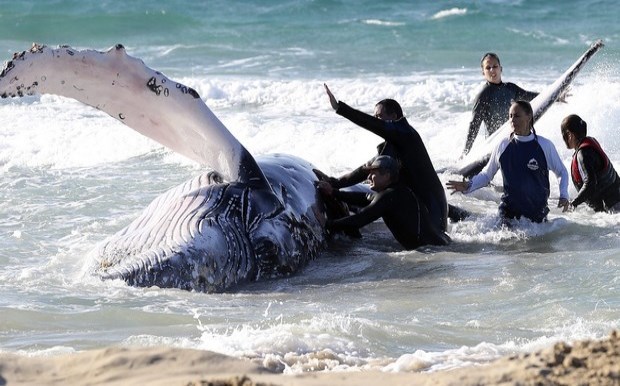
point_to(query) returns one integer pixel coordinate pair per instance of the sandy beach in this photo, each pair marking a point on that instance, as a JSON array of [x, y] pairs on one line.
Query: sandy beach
[[579, 363]]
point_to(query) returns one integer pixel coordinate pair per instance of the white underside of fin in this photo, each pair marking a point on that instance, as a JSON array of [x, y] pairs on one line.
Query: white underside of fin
[[129, 91]]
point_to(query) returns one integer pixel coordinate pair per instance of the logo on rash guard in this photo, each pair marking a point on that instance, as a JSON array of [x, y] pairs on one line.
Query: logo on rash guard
[[532, 164]]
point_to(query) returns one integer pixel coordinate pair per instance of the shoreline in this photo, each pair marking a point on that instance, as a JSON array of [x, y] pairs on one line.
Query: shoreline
[[583, 362]]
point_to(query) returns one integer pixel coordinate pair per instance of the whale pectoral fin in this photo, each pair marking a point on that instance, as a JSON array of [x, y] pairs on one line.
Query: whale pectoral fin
[[122, 86]]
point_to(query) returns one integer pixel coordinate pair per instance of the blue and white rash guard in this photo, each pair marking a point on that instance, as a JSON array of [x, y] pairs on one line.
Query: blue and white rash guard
[[525, 162]]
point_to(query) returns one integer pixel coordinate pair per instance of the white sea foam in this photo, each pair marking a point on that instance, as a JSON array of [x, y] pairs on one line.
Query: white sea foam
[[383, 22], [449, 12]]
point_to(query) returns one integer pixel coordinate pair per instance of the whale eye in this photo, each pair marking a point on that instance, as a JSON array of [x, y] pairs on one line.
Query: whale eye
[[215, 178]]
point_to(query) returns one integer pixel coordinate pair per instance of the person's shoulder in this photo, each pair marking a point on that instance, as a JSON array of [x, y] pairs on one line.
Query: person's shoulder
[[396, 189], [402, 190], [403, 127], [487, 92], [383, 198], [587, 151], [502, 145], [589, 142], [510, 85], [514, 87], [486, 87], [547, 145], [544, 140], [504, 141]]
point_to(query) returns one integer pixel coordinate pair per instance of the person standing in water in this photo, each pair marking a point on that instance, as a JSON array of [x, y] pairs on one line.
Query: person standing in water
[[593, 174], [525, 160], [493, 102]]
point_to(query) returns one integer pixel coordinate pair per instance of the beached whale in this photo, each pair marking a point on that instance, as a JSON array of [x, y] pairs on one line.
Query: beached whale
[[243, 220]]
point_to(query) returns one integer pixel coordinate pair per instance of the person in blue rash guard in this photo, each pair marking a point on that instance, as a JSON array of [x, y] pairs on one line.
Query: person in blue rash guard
[[593, 174], [525, 159], [493, 101], [403, 143], [402, 212]]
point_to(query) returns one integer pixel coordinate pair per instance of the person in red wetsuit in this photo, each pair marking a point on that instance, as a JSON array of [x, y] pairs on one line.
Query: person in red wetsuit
[[593, 175]]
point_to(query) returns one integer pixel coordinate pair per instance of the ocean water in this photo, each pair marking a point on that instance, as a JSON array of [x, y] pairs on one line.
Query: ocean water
[[71, 176]]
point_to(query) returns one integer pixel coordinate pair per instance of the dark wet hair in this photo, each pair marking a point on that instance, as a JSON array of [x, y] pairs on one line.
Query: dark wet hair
[[575, 125], [490, 55], [388, 164], [527, 107], [390, 106]]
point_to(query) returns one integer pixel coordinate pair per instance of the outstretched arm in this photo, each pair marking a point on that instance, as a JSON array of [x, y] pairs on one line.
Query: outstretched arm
[[483, 178], [366, 121], [355, 176], [365, 216]]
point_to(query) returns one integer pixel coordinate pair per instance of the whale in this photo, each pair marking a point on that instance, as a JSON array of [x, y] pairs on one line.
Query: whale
[[243, 219]]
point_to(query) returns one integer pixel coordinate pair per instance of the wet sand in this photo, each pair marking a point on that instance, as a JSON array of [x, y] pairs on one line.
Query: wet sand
[[579, 363]]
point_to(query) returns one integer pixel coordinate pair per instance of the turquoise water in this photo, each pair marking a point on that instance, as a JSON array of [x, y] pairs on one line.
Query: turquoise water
[[317, 38], [70, 176]]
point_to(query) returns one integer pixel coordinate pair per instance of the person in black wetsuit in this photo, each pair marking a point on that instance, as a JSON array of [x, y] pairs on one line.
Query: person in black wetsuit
[[403, 143], [593, 174], [493, 102], [402, 212]]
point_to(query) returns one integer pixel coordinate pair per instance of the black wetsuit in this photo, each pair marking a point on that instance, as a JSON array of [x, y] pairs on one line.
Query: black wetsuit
[[491, 106], [403, 143], [594, 177], [401, 211]]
